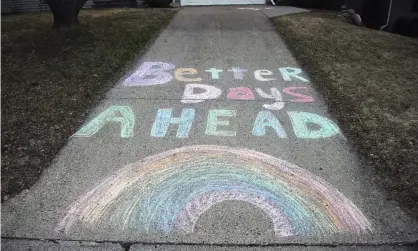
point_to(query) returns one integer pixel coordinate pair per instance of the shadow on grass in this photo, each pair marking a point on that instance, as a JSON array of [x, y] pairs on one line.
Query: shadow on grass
[[52, 77]]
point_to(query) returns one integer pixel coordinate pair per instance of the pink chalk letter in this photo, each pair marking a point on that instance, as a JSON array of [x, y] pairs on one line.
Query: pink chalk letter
[[240, 93], [302, 98]]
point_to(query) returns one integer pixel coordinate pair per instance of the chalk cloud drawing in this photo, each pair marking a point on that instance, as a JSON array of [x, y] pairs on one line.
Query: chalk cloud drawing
[[168, 192]]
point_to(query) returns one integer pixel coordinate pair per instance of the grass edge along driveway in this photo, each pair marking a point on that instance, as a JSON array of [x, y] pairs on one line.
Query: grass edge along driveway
[[370, 81], [52, 77]]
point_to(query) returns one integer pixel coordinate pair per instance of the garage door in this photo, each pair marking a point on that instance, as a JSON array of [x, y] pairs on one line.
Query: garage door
[[220, 2]]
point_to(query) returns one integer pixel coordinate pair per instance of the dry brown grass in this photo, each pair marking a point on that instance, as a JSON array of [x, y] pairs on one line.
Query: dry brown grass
[[370, 81], [52, 77]]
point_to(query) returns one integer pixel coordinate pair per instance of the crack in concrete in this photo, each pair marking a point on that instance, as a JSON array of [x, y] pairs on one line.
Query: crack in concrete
[[127, 244]]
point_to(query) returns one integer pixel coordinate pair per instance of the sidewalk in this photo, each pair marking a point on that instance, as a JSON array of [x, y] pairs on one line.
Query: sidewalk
[[216, 136]]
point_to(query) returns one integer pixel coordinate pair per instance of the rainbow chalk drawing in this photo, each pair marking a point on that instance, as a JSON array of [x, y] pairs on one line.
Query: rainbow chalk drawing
[[168, 192]]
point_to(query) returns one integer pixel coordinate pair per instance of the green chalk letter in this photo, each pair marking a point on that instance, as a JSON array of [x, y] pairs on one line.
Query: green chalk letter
[[213, 122], [122, 114], [266, 118], [300, 121]]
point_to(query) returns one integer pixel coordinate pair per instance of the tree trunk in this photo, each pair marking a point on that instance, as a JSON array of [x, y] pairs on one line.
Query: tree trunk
[[65, 12]]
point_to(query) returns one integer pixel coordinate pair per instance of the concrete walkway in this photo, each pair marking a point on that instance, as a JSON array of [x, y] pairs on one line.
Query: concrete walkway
[[275, 11], [215, 137]]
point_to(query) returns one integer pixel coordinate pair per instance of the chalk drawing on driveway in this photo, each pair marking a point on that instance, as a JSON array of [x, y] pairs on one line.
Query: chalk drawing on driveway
[[169, 191]]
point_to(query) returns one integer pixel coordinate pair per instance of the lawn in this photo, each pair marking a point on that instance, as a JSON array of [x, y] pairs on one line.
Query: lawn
[[51, 78], [370, 81]]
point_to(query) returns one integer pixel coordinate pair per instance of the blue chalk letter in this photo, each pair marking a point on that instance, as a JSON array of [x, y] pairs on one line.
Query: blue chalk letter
[[238, 72], [266, 118], [300, 121], [164, 119]]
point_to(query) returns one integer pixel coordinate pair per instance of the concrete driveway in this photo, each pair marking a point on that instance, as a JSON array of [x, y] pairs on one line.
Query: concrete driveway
[[215, 140]]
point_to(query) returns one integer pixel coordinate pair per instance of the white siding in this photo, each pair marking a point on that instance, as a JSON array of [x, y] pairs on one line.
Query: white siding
[[88, 4], [116, 3], [220, 2], [16, 6], [8, 6]]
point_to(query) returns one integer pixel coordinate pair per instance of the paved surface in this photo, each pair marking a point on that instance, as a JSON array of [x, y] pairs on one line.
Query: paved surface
[[36, 245], [275, 11], [240, 167]]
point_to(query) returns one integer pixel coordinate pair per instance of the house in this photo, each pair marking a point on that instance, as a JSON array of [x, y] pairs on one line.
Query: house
[[219, 2], [398, 16], [313, 4], [17, 6]]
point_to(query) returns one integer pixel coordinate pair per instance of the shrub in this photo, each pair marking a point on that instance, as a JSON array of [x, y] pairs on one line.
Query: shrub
[[158, 3], [406, 27]]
